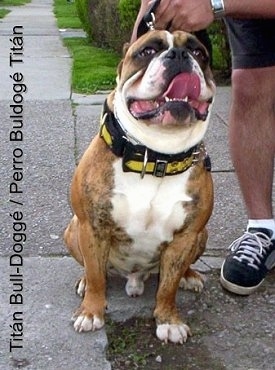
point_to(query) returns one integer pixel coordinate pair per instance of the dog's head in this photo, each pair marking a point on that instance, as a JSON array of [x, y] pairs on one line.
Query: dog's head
[[165, 90]]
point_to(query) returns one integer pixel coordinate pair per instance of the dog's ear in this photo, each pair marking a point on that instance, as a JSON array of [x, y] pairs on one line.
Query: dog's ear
[[124, 51], [119, 68], [110, 100], [125, 48]]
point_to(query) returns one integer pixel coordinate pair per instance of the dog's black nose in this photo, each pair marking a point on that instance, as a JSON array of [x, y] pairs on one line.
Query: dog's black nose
[[177, 53], [178, 59]]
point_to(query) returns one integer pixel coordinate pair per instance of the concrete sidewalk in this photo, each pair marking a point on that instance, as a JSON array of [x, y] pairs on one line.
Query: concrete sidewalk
[[54, 133]]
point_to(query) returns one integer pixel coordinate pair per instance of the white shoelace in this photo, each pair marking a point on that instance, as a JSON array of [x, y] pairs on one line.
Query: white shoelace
[[251, 248]]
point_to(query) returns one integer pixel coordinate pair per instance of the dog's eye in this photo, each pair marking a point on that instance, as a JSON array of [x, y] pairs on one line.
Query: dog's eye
[[198, 53], [148, 51]]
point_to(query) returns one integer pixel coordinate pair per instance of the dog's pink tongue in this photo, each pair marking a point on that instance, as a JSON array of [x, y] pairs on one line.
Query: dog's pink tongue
[[183, 85]]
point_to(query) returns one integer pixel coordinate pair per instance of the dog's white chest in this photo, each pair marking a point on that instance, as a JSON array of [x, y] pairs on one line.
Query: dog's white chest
[[149, 210]]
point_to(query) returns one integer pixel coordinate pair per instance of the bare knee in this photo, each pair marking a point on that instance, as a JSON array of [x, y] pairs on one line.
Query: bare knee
[[253, 97], [254, 86], [252, 114]]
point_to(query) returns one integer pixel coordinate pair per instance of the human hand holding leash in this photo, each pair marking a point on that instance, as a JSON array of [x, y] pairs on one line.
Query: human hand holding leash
[[199, 14], [183, 14], [174, 15]]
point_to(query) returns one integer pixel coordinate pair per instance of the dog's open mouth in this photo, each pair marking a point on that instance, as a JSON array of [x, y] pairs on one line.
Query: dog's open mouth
[[179, 103]]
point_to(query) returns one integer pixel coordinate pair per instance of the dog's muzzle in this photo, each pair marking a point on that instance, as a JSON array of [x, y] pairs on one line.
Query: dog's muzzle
[[179, 102]]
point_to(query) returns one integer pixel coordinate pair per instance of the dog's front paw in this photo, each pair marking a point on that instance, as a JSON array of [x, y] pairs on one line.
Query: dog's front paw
[[85, 322], [175, 333], [192, 280]]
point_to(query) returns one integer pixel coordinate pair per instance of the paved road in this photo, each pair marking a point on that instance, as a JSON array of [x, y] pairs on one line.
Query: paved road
[[37, 161]]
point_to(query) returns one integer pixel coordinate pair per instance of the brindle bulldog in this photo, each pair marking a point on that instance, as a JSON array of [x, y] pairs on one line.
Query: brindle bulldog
[[142, 192]]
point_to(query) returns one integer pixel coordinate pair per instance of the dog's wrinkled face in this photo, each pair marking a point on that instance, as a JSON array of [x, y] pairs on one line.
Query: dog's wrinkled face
[[165, 80]]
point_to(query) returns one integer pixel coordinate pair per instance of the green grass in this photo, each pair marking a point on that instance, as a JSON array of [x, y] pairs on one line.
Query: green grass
[[3, 12], [66, 14], [93, 68], [13, 2]]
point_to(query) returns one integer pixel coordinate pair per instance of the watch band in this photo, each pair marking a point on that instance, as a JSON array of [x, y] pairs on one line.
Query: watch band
[[218, 8]]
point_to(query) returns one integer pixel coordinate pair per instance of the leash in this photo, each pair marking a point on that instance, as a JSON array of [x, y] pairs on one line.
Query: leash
[[148, 21]]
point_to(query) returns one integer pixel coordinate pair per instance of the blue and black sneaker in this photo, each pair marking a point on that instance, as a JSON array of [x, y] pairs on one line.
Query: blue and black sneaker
[[252, 257]]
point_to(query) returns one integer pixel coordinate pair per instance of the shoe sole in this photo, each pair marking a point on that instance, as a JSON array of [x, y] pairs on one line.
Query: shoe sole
[[237, 289]]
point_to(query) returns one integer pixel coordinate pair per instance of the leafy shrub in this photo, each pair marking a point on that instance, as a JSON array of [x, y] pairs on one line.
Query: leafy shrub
[[82, 7], [100, 20], [128, 10], [221, 50], [108, 23]]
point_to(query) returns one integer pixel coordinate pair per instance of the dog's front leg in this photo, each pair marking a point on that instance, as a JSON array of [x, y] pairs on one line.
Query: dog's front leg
[[175, 260], [90, 315]]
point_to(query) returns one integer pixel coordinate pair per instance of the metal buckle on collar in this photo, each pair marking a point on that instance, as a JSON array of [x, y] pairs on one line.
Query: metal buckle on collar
[[160, 168]]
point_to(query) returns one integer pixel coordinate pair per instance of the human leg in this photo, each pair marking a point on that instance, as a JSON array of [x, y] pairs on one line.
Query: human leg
[[252, 145], [252, 137]]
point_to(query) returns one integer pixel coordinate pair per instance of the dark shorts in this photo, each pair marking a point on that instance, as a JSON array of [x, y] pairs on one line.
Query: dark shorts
[[252, 42]]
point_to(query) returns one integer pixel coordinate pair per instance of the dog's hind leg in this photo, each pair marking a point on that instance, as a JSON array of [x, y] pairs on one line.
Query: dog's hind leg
[[71, 239], [135, 284], [90, 315], [80, 286], [191, 279]]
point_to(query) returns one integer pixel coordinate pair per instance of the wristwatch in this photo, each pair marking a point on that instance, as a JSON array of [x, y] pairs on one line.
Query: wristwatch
[[218, 8]]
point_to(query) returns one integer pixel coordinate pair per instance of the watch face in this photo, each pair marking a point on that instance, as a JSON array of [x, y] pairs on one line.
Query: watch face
[[218, 8]]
